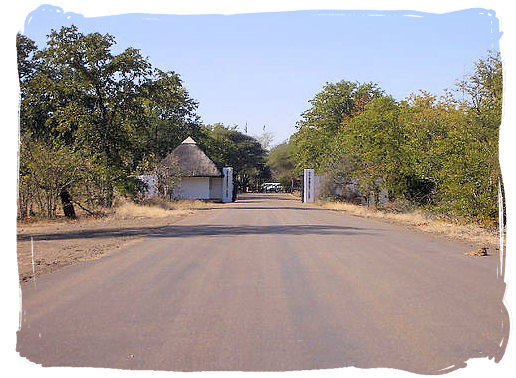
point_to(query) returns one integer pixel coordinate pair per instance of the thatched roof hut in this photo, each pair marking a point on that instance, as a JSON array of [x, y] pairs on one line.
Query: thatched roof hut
[[190, 161], [187, 172]]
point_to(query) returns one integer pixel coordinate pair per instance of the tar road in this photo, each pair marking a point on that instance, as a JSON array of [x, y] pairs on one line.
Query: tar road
[[270, 284]]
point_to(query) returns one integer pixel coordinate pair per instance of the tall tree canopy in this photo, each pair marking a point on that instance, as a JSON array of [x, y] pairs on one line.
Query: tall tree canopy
[[330, 108], [438, 152], [281, 161], [229, 147], [91, 120]]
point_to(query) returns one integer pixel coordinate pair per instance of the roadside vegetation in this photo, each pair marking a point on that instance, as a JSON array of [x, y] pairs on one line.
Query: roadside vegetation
[[157, 208], [425, 153], [474, 233], [92, 120]]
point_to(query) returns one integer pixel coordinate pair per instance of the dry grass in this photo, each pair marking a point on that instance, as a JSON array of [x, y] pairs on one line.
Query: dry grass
[[156, 208], [418, 220], [132, 210], [190, 204], [124, 209]]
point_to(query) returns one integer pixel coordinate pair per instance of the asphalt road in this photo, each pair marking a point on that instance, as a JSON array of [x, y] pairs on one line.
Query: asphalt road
[[270, 284]]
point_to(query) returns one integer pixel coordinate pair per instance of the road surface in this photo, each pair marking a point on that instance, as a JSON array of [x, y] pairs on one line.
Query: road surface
[[270, 284]]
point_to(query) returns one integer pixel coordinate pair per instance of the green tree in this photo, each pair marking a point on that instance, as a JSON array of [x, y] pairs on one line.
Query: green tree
[[440, 152], [374, 141], [282, 164], [97, 98], [114, 109], [25, 49], [329, 110], [471, 173], [46, 174], [426, 122], [229, 147], [169, 114]]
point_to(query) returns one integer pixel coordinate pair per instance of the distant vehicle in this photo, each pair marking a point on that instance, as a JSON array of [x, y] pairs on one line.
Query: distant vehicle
[[271, 187]]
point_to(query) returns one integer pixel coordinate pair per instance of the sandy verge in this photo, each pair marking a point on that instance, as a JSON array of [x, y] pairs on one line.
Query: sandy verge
[[472, 233], [59, 243]]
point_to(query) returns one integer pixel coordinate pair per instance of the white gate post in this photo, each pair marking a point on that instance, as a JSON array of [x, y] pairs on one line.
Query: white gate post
[[227, 184], [309, 186]]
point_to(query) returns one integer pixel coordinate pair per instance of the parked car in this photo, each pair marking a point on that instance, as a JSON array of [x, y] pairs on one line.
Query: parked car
[[272, 187]]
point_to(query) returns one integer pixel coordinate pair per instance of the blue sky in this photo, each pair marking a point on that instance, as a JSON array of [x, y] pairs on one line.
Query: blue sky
[[262, 68]]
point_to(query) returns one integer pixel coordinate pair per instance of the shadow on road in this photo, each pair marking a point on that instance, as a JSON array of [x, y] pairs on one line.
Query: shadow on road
[[201, 230]]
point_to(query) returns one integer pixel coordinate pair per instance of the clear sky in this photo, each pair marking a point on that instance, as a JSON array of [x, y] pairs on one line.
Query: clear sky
[[262, 68]]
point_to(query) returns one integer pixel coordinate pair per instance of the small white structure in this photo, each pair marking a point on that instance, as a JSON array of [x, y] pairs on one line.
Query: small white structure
[[227, 184], [271, 187], [151, 184], [198, 176], [309, 186]]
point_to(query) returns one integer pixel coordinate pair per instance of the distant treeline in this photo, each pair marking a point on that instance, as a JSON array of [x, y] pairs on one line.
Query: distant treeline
[[91, 120], [440, 153]]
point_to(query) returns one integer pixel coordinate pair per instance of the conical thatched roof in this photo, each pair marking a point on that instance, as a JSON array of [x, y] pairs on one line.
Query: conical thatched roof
[[191, 161]]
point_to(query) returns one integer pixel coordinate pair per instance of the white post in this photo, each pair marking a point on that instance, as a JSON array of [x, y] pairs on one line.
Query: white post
[[309, 186], [151, 182], [227, 184]]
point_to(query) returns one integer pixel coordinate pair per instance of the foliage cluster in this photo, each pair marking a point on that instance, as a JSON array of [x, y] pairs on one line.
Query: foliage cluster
[[282, 163], [225, 145], [441, 153], [91, 120]]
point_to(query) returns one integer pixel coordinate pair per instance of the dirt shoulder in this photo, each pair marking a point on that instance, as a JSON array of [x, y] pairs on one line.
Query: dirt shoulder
[[60, 243], [416, 220]]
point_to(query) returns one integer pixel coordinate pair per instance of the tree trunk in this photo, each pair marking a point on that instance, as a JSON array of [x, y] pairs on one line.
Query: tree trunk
[[23, 207], [108, 196], [66, 201]]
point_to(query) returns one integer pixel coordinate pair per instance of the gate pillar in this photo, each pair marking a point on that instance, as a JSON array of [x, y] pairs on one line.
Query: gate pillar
[[227, 184], [309, 186]]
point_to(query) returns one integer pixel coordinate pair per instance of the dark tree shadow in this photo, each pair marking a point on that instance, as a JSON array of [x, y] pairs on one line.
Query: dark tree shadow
[[176, 231]]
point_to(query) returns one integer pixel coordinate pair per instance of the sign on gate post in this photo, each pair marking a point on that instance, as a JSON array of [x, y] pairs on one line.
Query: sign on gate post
[[309, 186], [227, 184]]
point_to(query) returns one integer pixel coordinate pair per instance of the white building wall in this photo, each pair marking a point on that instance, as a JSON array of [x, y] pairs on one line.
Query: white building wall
[[193, 188], [216, 188]]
